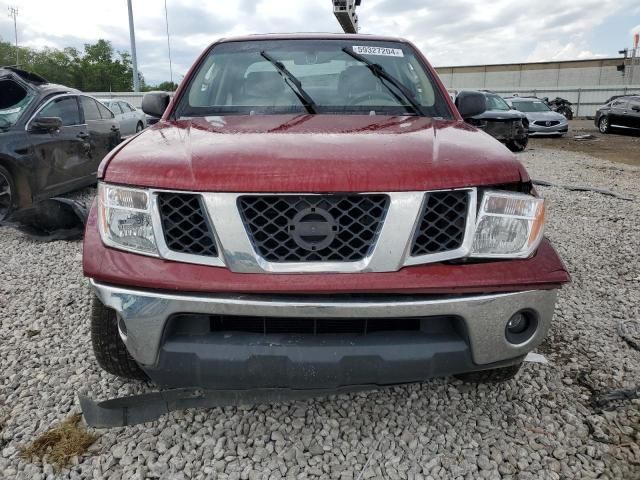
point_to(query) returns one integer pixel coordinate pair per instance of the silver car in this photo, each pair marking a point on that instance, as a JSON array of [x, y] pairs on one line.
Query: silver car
[[542, 120], [130, 118]]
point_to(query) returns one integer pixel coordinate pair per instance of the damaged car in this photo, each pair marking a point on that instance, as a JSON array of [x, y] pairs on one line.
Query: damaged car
[[509, 126], [542, 120], [52, 139]]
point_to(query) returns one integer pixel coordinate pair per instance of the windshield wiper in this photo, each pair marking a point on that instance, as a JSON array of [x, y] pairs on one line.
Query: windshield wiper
[[380, 72], [292, 81]]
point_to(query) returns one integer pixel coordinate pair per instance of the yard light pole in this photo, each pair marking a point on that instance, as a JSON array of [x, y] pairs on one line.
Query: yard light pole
[[13, 13], [134, 59], [166, 19]]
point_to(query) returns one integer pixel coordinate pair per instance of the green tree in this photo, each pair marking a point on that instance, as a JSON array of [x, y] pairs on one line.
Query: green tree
[[98, 68]]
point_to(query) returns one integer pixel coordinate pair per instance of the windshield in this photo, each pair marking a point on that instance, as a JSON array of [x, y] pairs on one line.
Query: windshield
[[530, 106], [313, 76], [14, 99], [496, 102]]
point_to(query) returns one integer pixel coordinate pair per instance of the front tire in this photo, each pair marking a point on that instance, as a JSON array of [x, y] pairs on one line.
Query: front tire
[[139, 127], [518, 144], [496, 375], [109, 349], [603, 125], [7, 194]]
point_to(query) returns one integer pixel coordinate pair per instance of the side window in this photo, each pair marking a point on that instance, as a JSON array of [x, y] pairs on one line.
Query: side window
[[65, 108], [105, 113], [635, 105], [619, 104], [115, 107], [127, 106], [90, 109]]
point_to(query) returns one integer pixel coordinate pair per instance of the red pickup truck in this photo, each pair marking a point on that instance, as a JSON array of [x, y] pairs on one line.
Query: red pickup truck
[[313, 212]]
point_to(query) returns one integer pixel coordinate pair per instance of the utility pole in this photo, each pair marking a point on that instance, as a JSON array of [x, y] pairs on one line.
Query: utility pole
[[13, 13], [166, 19], [134, 59]]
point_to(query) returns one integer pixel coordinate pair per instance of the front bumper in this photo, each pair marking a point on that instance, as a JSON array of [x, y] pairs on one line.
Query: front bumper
[[473, 340], [539, 130]]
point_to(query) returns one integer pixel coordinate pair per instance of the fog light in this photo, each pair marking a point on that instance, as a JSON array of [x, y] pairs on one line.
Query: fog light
[[518, 323], [521, 327]]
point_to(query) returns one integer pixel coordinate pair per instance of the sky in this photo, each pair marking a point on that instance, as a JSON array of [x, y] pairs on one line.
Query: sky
[[450, 32]]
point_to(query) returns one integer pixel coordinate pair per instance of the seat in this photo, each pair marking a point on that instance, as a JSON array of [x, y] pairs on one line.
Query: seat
[[262, 89]]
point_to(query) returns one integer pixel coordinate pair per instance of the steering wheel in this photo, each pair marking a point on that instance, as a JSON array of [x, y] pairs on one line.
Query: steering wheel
[[369, 96]]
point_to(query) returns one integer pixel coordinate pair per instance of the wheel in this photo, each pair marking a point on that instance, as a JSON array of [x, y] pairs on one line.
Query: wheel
[[603, 125], [496, 375], [7, 194], [108, 347], [139, 127], [518, 144]]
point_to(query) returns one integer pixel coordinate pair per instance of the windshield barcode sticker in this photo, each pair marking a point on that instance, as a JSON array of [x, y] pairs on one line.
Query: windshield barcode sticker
[[380, 51]]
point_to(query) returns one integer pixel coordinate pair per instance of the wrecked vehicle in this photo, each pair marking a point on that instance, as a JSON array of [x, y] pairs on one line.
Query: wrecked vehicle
[[542, 120], [313, 213], [503, 123], [52, 139]]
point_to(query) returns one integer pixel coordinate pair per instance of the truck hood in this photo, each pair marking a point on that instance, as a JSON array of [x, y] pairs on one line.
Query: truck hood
[[311, 153]]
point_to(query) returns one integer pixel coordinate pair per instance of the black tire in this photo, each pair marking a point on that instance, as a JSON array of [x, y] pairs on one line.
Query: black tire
[[7, 194], [603, 125], [108, 347], [518, 144], [497, 375], [139, 127]]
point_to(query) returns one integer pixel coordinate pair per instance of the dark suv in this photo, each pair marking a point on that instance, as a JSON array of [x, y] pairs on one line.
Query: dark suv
[[621, 112], [52, 139]]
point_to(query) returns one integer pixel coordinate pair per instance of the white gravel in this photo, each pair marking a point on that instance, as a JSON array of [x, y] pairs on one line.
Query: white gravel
[[541, 426]]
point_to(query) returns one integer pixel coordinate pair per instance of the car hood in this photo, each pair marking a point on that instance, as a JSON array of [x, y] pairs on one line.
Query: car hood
[[500, 115], [311, 153], [546, 116]]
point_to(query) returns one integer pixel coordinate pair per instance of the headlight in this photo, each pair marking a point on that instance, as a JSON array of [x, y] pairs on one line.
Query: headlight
[[125, 219], [510, 225]]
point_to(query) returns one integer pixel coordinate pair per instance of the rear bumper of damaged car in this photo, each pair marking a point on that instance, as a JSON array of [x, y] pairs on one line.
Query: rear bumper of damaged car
[[320, 342]]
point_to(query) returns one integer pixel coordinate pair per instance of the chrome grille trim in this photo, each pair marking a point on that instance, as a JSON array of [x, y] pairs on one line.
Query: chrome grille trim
[[390, 253]]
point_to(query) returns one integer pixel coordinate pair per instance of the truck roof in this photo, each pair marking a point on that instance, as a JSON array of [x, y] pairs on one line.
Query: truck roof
[[312, 36]]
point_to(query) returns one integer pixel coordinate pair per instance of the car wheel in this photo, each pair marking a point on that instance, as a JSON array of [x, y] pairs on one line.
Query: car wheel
[[139, 127], [518, 144], [7, 194], [603, 125], [496, 375], [109, 349]]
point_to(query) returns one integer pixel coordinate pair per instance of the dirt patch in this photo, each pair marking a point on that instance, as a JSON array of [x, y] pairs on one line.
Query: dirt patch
[[60, 444], [621, 146]]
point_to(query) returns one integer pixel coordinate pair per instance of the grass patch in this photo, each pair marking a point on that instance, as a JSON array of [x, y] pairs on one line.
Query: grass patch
[[61, 443]]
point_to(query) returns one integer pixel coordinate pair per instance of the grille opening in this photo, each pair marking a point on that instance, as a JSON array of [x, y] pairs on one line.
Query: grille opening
[[347, 226], [185, 224], [443, 224], [311, 326], [190, 325]]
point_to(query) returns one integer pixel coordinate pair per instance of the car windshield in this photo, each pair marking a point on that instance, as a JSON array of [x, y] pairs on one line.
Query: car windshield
[[530, 106], [496, 102], [14, 99], [314, 76]]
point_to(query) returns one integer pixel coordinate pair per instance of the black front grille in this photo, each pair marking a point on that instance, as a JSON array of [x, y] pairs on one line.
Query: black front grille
[[311, 326], [185, 224], [444, 220], [545, 123], [313, 228]]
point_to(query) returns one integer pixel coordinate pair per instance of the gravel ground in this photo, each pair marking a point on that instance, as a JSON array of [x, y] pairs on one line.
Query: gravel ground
[[544, 425]]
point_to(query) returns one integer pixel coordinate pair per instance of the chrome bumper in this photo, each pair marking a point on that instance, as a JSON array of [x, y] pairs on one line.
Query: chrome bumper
[[145, 315]]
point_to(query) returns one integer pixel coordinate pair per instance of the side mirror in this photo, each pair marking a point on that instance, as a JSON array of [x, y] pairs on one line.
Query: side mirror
[[471, 104], [155, 103], [46, 124]]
